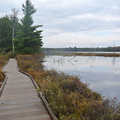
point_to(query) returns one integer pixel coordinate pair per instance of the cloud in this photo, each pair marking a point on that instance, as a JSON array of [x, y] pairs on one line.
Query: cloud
[[74, 22], [82, 39]]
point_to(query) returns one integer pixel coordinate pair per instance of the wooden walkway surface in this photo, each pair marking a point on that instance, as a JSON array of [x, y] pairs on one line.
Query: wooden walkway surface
[[19, 100]]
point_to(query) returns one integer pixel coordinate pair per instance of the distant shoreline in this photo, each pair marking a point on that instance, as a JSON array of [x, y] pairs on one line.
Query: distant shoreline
[[82, 53], [105, 52], [99, 54], [92, 54]]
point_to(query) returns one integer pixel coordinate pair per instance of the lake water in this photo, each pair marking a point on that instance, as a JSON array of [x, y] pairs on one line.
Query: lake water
[[102, 74]]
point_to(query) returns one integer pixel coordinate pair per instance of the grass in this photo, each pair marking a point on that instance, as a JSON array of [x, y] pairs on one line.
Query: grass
[[73, 53], [3, 61], [94, 54], [68, 98]]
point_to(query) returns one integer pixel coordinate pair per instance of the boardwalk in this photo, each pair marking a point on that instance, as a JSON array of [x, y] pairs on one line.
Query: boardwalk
[[19, 100]]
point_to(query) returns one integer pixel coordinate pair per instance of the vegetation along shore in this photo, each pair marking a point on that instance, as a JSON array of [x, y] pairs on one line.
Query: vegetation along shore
[[69, 98], [3, 61], [66, 52], [93, 54]]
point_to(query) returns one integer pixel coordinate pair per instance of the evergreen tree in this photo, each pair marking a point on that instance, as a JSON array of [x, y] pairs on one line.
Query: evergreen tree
[[28, 39], [5, 34]]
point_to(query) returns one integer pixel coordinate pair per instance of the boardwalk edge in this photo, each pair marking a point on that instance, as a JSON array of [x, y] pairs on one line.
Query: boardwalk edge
[[40, 95]]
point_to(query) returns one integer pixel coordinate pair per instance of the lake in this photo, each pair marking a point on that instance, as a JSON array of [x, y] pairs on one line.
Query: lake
[[102, 74]]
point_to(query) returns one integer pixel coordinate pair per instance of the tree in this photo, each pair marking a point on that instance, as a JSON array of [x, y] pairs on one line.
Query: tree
[[5, 34], [15, 27], [28, 39]]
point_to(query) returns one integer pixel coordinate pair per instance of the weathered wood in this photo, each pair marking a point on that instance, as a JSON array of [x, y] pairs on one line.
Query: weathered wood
[[19, 100], [40, 95]]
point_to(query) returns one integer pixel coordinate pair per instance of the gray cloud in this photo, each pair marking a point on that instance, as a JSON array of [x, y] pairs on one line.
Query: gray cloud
[[73, 17]]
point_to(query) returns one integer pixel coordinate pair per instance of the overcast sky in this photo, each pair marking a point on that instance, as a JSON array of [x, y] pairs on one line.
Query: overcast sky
[[69, 23]]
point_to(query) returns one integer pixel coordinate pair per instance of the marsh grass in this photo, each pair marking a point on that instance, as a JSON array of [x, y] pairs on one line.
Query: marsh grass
[[69, 98], [3, 61], [94, 54]]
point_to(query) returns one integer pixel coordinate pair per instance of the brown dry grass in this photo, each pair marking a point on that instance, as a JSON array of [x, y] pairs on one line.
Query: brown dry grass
[[69, 98], [94, 54], [3, 61]]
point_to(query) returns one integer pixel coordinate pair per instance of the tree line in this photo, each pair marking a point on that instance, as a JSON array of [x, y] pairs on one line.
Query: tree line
[[20, 34]]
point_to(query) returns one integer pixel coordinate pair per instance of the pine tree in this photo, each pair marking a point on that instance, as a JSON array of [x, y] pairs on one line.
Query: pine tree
[[5, 34], [28, 39]]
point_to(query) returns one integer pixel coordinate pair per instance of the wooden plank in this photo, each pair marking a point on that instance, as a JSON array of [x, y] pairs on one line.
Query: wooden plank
[[19, 100]]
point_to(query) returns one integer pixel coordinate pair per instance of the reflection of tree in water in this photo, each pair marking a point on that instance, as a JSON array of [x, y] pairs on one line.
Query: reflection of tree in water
[[114, 61], [72, 60], [58, 60], [92, 60]]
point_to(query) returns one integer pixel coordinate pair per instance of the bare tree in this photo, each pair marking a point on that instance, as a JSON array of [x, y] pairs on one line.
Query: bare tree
[[14, 20]]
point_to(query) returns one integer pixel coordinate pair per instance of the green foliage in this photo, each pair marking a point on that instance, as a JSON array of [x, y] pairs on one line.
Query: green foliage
[[6, 29], [5, 34], [28, 39], [28, 10]]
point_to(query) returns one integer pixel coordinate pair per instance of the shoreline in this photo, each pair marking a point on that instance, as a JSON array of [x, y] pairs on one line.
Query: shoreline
[[67, 96], [88, 54], [96, 54]]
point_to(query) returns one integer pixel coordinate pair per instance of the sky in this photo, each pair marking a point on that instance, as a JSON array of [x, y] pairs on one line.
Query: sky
[[73, 23]]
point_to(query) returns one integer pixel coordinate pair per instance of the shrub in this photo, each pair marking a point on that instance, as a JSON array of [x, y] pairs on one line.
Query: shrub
[[69, 98], [3, 61]]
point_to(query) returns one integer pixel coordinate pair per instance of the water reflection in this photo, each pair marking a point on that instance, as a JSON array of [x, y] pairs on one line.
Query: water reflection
[[100, 73]]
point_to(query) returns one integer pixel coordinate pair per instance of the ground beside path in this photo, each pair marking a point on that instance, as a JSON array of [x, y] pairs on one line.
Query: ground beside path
[[19, 100]]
